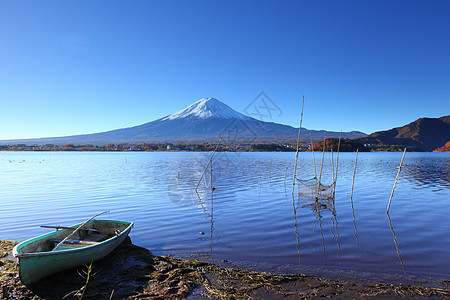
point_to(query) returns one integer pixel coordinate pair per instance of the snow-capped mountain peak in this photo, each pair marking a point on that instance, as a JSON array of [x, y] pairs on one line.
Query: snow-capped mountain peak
[[207, 108]]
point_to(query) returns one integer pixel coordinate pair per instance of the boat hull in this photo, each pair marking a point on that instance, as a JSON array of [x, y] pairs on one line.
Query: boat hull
[[35, 266]]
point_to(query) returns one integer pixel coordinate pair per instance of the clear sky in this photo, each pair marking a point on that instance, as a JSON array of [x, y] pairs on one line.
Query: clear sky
[[74, 67]]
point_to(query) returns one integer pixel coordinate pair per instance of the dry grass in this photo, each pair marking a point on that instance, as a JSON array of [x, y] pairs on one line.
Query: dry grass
[[7, 267]]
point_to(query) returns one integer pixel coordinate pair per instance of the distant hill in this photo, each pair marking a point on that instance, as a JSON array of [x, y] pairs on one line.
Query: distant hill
[[425, 134], [202, 121]]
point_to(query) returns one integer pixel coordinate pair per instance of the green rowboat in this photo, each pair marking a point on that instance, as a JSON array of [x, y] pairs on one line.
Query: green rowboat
[[38, 258]]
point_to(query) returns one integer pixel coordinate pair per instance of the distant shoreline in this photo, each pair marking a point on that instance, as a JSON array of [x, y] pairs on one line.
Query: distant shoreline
[[346, 146]]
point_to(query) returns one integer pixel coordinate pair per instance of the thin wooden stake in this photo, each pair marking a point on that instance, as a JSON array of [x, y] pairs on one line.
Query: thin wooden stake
[[337, 163], [321, 166], [270, 167], [211, 177], [332, 162], [354, 223], [354, 173], [298, 142], [297, 236], [396, 244], [212, 218], [314, 160], [206, 167], [396, 178], [285, 174]]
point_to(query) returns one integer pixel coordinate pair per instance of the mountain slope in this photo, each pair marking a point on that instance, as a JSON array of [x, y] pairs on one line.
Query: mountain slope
[[426, 134], [203, 121]]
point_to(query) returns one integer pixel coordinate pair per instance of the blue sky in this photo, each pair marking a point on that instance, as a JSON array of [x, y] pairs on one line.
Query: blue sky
[[73, 67]]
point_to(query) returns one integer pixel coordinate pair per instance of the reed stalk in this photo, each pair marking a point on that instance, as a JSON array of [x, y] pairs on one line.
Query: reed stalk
[[79, 294]]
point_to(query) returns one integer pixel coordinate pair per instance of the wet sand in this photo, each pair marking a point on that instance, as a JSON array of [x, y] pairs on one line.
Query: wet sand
[[132, 272]]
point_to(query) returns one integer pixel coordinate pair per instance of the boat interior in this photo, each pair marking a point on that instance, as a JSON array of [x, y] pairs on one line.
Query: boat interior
[[89, 234]]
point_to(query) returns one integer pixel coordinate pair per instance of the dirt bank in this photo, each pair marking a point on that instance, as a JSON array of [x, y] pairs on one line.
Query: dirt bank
[[132, 272]]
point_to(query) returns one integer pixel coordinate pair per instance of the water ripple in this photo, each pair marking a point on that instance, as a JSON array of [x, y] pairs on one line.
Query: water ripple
[[252, 217]]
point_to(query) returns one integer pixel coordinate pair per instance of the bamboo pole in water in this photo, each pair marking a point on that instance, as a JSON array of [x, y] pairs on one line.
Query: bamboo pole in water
[[285, 174], [354, 173], [314, 160], [321, 166], [210, 159], [212, 219], [332, 163], [337, 163], [298, 142], [396, 178], [354, 223], [297, 236], [396, 244], [270, 167], [211, 177]]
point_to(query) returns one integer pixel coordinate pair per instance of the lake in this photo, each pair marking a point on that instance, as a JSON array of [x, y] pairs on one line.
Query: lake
[[252, 218]]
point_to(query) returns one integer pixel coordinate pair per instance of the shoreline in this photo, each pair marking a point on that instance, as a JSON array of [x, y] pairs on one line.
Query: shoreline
[[133, 272]]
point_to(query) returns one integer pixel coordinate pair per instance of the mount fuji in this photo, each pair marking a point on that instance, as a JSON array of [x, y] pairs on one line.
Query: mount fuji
[[207, 108], [203, 121]]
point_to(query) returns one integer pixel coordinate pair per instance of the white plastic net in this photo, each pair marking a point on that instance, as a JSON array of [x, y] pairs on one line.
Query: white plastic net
[[314, 188]]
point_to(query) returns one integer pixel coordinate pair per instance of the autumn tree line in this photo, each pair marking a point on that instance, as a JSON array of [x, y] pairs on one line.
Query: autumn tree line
[[345, 145]]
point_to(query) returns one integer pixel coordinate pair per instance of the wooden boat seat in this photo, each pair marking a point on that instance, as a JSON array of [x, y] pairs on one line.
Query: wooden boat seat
[[89, 240], [96, 237], [70, 244]]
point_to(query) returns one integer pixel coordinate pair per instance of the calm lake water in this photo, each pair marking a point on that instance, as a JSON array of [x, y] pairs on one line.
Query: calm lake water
[[252, 219]]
